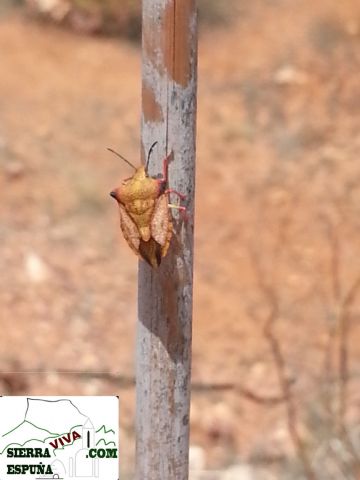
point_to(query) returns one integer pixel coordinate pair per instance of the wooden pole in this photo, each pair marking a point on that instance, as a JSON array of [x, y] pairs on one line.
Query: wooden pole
[[169, 63]]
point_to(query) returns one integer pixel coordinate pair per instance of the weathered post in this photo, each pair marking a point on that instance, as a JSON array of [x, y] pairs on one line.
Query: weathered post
[[169, 62]]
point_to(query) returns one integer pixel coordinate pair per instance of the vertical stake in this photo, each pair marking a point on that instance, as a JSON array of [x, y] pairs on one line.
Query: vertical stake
[[163, 351]]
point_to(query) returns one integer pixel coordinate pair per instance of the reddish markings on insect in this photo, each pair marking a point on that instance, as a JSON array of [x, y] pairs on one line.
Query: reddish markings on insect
[[144, 205]]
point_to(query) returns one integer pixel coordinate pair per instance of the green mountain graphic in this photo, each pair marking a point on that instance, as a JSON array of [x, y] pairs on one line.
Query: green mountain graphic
[[24, 433], [44, 421], [104, 429]]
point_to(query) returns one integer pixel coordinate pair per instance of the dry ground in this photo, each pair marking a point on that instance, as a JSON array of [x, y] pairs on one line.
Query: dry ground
[[277, 220]]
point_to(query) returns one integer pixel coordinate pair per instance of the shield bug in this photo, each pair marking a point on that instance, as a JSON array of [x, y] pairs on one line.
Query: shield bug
[[145, 219]]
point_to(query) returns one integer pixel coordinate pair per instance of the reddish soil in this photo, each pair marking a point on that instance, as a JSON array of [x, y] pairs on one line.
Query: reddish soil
[[277, 219]]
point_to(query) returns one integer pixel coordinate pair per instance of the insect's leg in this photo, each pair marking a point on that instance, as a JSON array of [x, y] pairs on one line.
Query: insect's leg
[[182, 210], [164, 177], [180, 195], [165, 166]]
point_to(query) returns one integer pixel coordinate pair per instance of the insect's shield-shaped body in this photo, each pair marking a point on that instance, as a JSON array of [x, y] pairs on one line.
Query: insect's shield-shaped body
[[138, 194], [145, 218]]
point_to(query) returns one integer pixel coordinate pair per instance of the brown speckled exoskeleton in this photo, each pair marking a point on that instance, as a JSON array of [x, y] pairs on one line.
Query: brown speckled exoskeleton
[[145, 219]]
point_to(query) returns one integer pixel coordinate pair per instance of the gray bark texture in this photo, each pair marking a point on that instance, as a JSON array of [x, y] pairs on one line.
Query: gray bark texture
[[163, 355]]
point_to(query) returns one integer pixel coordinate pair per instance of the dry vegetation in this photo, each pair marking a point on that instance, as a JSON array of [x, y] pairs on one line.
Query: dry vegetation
[[114, 16], [276, 359]]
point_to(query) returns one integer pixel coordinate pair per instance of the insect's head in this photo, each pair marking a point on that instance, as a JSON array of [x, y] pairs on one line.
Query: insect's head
[[140, 174]]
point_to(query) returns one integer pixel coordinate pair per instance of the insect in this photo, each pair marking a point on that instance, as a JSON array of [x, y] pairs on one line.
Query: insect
[[145, 218]]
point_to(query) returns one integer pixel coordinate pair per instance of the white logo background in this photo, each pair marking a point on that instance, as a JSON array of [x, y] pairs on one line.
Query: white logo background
[[49, 422]]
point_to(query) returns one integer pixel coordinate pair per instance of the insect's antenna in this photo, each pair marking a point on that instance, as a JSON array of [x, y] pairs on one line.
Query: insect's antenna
[[149, 155], [122, 158]]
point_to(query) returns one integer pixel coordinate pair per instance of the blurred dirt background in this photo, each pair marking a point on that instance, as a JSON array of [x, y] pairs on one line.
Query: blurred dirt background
[[276, 356]]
